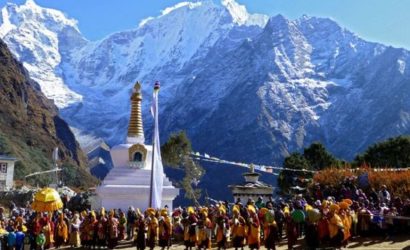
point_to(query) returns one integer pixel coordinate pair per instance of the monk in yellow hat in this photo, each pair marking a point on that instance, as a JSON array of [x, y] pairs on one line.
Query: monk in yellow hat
[[238, 228], [346, 218], [323, 223], [222, 227], [61, 231], [254, 231], [112, 227], [74, 227], [204, 230], [152, 224], [49, 230], [165, 229], [190, 237], [336, 226], [91, 227], [102, 228]]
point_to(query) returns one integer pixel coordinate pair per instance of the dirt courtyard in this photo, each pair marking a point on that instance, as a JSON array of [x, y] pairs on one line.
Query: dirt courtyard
[[401, 242]]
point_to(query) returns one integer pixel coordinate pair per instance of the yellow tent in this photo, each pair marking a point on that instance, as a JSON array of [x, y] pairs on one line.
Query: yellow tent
[[47, 200]]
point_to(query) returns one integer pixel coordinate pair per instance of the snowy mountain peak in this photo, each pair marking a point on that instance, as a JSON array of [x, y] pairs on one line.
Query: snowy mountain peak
[[189, 5], [241, 16], [32, 4], [31, 13], [238, 13], [40, 37], [177, 35], [178, 8]]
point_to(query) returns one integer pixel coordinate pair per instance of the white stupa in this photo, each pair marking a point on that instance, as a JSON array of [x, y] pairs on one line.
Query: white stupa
[[128, 182]]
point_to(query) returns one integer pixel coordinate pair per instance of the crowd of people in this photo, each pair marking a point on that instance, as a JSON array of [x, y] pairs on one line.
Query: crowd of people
[[323, 222]]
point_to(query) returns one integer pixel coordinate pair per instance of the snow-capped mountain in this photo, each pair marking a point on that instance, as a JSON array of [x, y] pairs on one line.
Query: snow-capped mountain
[[42, 39], [152, 51], [246, 87]]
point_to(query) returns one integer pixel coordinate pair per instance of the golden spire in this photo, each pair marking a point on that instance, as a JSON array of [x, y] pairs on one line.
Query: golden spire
[[135, 128]]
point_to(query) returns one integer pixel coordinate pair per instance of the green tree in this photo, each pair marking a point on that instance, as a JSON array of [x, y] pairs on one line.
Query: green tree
[[394, 152], [193, 172], [174, 150], [314, 157], [176, 153], [318, 157], [295, 161]]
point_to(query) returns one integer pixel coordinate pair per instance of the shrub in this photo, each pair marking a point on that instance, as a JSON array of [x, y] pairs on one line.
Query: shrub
[[397, 181]]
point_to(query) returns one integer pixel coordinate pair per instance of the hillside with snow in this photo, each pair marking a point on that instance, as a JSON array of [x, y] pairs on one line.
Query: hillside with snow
[[246, 87]]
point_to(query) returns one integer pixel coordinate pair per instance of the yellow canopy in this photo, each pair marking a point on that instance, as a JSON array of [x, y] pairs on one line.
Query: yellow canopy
[[47, 200]]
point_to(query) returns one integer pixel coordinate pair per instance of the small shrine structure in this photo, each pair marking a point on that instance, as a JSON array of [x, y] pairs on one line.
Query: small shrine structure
[[251, 188]]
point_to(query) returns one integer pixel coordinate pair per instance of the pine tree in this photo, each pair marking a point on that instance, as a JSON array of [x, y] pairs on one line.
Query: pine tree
[[176, 153], [314, 157], [295, 161], [318, 157], [394, 152]]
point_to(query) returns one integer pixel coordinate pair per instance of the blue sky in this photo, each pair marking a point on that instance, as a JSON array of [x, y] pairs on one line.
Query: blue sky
[[385, 21]]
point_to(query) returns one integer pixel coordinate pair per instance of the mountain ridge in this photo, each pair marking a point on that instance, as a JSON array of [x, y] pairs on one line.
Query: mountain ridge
[[30, 127], [243, 90]]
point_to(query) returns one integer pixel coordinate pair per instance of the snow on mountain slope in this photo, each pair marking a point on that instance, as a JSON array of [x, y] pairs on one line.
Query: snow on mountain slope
[[296, 82], [41, 38], [241, 16], [152, 51], [244, 86], [154, 44]]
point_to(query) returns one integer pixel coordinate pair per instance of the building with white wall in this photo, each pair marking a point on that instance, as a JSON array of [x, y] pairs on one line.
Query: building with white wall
[[6, 172]]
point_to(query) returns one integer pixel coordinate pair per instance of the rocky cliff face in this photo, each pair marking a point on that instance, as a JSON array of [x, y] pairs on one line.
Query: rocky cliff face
[[245, 87], [294, 83], [30, 127]]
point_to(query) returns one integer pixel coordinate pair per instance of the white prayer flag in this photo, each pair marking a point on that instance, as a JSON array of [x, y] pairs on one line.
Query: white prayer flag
[[157, 168]]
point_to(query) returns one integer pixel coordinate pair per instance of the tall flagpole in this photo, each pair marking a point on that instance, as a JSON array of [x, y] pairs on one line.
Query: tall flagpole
[[152, 169], [156, 90]]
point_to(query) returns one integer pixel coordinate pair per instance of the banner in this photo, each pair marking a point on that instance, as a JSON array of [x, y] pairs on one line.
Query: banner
[[157, 177]]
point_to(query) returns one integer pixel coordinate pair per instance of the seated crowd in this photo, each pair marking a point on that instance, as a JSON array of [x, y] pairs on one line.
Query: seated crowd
[[326, 222]]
